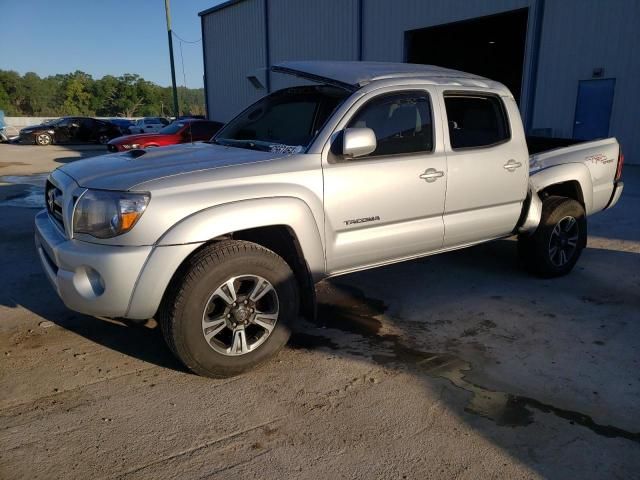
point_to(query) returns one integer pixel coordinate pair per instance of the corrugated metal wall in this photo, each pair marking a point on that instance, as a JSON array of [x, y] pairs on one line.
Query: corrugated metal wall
[[300, 30], [234, 47], [577, 37]]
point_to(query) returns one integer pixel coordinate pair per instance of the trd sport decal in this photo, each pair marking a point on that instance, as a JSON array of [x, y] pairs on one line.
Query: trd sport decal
[[362, 220]]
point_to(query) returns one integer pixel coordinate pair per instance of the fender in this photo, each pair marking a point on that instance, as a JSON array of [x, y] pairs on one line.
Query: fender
[[532, 209], [567, 172], [193, 231]]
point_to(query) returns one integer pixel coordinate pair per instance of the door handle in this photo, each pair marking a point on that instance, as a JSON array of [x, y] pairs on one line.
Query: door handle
[[431, 175], [511, 165]]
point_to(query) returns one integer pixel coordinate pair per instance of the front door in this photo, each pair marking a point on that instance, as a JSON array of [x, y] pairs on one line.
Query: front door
[[593, 108], [387, 205], [488, 167]]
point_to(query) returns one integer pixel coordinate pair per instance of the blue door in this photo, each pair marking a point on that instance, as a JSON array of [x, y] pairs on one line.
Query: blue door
[[593, 108]]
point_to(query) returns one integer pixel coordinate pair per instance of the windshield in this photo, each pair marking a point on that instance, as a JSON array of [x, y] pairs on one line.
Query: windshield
[[172, 128], [285, 121]]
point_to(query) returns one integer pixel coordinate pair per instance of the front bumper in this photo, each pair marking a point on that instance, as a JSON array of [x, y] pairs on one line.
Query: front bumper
[[89, 278]]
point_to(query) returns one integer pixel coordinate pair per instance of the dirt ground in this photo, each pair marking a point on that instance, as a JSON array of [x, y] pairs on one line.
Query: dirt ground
[[455, 366]]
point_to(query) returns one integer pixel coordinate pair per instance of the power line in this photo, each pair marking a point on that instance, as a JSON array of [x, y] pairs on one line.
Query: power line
[[185, 41]]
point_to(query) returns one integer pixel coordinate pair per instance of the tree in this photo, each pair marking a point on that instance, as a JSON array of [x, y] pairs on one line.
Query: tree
[[78, 93]]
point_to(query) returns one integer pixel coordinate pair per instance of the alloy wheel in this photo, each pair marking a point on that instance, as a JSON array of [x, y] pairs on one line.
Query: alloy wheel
[[240, 315], [43, 139], [563, 243]]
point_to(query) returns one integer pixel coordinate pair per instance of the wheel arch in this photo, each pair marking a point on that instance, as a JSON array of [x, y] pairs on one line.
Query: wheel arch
[[284, 225], [571, 180]]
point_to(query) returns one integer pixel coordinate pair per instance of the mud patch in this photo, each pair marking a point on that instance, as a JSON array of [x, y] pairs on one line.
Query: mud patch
[[346, 308], [12, 164]]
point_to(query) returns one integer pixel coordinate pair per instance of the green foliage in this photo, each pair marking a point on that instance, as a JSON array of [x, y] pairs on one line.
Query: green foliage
[[79, 94]]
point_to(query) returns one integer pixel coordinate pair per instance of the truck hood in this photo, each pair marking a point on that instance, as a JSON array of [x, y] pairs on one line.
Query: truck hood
[[123, 171]]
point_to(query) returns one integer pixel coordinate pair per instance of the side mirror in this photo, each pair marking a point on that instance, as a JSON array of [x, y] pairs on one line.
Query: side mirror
[[357, 142]]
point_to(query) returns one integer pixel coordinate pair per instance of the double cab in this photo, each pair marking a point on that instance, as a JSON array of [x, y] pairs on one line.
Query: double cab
[[223, 241]]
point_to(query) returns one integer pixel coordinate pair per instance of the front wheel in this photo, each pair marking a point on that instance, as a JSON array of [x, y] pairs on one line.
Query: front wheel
[[43, 139], [230, 309], [556, 245]]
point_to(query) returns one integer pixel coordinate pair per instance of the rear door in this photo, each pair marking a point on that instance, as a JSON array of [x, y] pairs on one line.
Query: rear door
[[387, 205], [488, 166], [593, 108]]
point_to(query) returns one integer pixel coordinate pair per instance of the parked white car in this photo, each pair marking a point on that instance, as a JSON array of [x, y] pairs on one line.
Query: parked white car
[[148, 125]]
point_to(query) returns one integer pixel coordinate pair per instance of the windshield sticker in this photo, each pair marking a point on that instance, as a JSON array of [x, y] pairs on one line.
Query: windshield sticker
[[286, 149]]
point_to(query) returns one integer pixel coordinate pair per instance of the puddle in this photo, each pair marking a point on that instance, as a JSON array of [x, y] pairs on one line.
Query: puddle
[[36, 179], [28, 197], [25, 191], [345, 308]]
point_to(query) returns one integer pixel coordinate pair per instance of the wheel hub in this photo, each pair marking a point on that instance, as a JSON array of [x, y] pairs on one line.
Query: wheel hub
[[242, 314]]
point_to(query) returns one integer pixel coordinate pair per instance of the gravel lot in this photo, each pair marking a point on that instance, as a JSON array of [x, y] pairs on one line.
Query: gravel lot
[[455, 366]]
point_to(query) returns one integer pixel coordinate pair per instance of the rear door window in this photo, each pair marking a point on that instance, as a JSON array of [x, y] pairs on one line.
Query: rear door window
[[401, 121], [476, 121]]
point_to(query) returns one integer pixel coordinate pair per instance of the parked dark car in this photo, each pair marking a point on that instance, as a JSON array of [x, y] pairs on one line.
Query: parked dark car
[[123, 124], [182, 131], [70, 130]]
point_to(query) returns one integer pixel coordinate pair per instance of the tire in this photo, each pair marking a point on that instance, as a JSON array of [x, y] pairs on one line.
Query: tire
[[43, 139], [195, 305], [103, 139], [556, 245]]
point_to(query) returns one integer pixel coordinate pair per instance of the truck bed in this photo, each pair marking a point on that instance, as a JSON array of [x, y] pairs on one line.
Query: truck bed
[[593, 164]]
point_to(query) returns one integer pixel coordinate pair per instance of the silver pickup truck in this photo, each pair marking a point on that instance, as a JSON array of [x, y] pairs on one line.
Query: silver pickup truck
[[369, 164]]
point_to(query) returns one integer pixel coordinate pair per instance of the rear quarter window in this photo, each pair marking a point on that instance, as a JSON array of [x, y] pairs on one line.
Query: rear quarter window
[[476, 121]]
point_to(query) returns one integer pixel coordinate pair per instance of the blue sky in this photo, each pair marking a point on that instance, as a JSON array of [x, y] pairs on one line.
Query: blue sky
[[101, 37]]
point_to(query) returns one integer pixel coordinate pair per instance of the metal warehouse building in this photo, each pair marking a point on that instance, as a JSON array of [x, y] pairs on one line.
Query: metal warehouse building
[[573, 65]]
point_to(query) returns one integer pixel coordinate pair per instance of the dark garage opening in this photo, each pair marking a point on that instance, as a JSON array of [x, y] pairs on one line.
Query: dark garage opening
[[491, 46]]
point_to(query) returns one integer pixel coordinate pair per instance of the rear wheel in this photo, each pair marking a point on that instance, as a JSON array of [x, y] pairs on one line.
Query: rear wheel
[[43, 139], [557, 243], [103, 139], [230, 310]]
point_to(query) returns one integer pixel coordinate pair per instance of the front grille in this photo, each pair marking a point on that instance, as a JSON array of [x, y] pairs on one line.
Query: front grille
[[53, 200]]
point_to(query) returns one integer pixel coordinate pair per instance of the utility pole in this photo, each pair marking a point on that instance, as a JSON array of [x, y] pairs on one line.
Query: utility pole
[[176, 110]]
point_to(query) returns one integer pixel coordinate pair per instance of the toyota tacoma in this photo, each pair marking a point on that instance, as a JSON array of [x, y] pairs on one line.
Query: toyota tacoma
[[222, 242]]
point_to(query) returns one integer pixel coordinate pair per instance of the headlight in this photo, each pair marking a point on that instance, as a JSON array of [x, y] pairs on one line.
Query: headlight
[[129, 147], [106, 214]]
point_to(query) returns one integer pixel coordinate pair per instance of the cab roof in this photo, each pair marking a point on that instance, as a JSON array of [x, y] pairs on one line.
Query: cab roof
[[355, 75]]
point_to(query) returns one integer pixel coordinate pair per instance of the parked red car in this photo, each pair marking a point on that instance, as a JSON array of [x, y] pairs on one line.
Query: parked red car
[[182, 131]]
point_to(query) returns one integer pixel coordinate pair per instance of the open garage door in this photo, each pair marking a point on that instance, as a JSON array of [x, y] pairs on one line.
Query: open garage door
[[491, 46]]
